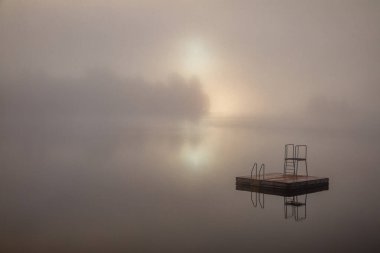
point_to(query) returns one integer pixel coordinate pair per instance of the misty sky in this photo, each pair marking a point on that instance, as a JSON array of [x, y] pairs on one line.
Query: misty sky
[[256, 58]]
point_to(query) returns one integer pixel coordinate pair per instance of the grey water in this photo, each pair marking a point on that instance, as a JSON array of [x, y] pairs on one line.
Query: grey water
[[71, 186]]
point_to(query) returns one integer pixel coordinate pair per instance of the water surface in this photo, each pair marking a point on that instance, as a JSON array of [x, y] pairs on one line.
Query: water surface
[[101, 187]]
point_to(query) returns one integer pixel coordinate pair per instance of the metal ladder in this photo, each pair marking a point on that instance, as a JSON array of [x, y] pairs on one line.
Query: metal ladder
[[294, 154], [258, 196], [262, 169]]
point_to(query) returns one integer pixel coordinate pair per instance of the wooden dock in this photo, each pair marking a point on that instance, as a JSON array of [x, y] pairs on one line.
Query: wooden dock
[[281, 182]]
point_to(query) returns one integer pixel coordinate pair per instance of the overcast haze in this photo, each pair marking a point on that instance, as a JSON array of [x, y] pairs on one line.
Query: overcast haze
[[251, 57], [123, 124]]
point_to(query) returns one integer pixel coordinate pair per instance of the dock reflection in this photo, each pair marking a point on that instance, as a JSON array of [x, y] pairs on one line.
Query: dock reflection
[[295, 201]]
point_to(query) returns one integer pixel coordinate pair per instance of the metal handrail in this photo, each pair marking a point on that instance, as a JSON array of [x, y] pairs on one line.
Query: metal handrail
[[287, 147], [297, 151], [261, 174], [254, 167], [262, 169]]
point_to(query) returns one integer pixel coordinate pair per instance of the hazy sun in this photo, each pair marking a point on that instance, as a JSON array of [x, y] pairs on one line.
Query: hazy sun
[[196, 58], [200, 59]]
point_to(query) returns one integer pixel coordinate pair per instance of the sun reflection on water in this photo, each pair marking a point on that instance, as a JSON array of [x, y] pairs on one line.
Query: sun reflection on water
[[194, 156]]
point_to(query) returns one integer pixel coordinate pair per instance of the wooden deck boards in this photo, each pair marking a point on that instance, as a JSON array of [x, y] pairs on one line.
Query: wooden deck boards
[[281, 181]]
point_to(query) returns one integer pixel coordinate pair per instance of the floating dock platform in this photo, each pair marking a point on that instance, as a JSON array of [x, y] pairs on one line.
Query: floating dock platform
[[282, 182]]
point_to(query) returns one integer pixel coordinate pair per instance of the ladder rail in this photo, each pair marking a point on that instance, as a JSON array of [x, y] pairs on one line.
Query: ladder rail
[[258, 174], [262, 168], [254, 167]]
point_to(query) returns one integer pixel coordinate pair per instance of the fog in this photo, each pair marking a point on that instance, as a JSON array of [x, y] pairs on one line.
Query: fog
[[260, 59], [102, 96], [123, 123]]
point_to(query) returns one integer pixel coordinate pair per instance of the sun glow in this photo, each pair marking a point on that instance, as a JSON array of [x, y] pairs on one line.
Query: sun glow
[[199, 58], [195, 157], [196, 59], [223, 104]]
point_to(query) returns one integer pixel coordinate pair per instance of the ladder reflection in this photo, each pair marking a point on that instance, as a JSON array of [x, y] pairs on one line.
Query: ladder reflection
[[295, 201]]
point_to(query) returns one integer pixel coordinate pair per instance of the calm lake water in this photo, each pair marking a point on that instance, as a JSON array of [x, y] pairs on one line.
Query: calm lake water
[[75, 187]]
